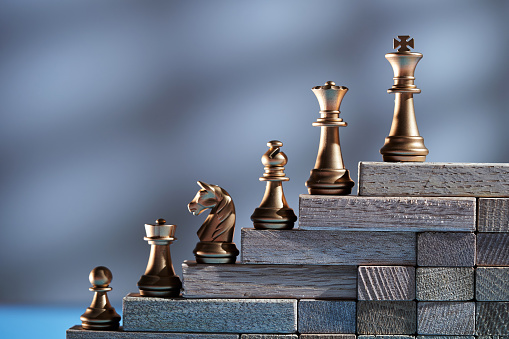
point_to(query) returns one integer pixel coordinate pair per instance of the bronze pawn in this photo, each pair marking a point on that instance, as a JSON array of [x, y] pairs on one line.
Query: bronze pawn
[[274, 212], [100, 315], [404, 142], [329, 176], [159, 279]]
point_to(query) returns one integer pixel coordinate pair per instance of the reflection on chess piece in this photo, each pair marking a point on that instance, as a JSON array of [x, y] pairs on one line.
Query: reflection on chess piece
[[329, 176], [216, 234], [274, 212], [404, 142], [159, 279], [100, 315]]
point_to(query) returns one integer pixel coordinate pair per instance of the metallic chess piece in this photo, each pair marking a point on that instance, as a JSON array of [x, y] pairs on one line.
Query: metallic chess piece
[[159, 279], [329, 176], [274, 212], [404, 142], [216, 234], [100, 315]]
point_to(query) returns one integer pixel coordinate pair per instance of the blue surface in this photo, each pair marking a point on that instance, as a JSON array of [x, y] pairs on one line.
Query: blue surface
[[38, 321]]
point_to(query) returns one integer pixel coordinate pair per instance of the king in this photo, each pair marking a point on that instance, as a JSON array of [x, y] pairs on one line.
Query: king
[[404, 142]]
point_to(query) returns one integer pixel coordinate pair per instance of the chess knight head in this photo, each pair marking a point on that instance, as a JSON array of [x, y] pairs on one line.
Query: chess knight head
[[205, 198]]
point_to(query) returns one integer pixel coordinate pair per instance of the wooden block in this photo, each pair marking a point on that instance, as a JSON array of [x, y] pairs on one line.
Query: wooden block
[[446, 318], [492, 284], [77, 332], [389, 336], [433, 179], [445, 283], [492, 318], [326, 316], [269, 281], [446, 249], [493, 215], [268, 336], [327, 336], [272, 316], [386, 283], [327, 247], [493, 249], [446, 337], [386, 317], [411, 214]]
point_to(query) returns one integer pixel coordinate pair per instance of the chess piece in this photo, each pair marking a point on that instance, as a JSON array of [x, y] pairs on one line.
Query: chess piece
[[100, 315], [274, 212], [159, 279], [404, 142], [216, 234], [329, 177]]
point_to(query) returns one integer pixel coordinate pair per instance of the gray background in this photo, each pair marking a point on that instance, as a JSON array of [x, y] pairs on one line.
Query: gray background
[[112, 110]]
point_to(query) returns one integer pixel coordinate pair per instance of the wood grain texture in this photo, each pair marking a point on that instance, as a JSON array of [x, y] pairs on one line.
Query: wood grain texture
[[326, 316], [446, 337], [269, 281], [268, 336], [386, 283], [77, 332], [386, 317], [493, 249], [445, 283], [327, 247], [327, 336], [493, 215], [433, 179], [272, 316], [446, 249], [492, 318], [411, 214], [492, 283], [387, 336], [446, 318]]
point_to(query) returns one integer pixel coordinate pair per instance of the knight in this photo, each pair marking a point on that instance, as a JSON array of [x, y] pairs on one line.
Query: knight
[[216, 244]]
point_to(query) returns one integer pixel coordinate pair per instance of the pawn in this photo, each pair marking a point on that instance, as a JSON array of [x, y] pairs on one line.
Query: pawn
[[100, 315], [274, 212]]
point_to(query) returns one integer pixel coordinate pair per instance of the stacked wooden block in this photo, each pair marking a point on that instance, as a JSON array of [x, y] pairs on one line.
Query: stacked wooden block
[[422, 251]]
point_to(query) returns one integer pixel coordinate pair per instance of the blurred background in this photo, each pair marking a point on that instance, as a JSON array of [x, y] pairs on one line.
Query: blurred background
[[112, 110]]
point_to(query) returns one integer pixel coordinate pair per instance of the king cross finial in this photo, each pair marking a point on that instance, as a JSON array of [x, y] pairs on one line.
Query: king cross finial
[[403, 43]]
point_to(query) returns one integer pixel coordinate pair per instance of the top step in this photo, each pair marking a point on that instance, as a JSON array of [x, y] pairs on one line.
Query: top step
[[433, 179]]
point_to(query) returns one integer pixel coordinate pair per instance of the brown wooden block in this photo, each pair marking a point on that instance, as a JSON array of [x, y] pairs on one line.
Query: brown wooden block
[[446, 318], [269, 281], [493, 215], [446, 249], [386, 283], [412, 214], [492, 283], [386, 317], [445, 283], [492, 318], [493, 249], [433, 179], [327, 247]]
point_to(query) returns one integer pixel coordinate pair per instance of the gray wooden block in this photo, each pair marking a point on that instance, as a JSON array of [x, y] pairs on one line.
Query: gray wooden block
[[269, 281], [492, 337], [273, 316], [387, 336], [327, 336], [493, 215], [493, 249], [326, 316], [492, 283], [327, 247], [446, 337], [268, 336], [386, 283], [446, 249], [492, 318], [77, 332], [446, 318], [386, 317], [412, 214], [445, 283], [433, 179]]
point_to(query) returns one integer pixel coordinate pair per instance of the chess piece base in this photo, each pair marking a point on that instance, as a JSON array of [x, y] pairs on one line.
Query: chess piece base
[[404, 149], [273, 218], [210, 252], [100, 319], [330, 182], [157, 286]]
